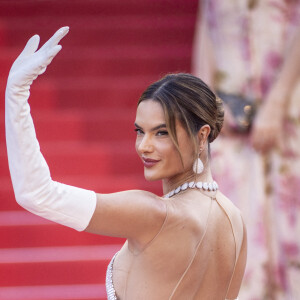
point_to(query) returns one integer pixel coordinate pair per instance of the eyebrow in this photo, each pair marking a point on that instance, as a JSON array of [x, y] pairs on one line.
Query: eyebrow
[[154, 128]]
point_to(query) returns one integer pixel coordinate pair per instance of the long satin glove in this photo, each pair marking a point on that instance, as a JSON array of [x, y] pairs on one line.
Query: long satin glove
[[34, 189]]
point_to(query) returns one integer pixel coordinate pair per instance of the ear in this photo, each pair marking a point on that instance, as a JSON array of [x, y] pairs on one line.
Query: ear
[[203, 134]]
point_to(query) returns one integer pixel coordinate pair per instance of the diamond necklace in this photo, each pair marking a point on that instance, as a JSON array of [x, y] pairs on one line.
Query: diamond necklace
[[207, 186]]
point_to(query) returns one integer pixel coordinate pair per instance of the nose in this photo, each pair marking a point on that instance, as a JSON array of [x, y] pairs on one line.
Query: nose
[[144, 144]]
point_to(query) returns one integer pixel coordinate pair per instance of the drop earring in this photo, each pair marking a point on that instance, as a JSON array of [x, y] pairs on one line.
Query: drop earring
[[198, 166]]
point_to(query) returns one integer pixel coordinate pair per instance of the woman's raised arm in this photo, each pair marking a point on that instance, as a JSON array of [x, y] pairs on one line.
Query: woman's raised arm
[[34, 189], [120, 214]]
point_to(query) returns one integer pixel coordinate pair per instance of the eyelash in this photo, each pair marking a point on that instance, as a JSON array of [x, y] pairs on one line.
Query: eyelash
[[163, 132], [159, 133], [138, 131]]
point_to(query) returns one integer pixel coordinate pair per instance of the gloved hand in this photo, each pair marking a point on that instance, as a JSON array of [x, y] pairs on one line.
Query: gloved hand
[[34, 189]]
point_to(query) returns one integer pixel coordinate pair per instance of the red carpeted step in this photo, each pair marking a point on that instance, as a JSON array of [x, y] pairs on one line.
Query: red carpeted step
[[103, 125], [111, 184], [131, 60], [66, 158], [43, 94], [105, 159], [89, 93], [100, 184], [96, 93], [7, 196], [23, 229], [114, 30], [61, 272], [55, 265], [3, 33], [83, 109], [125, 62], [96, 7], [54, 292], [55, 125]]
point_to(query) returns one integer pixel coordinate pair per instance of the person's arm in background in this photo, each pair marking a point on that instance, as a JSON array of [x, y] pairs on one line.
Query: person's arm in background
[[268, 125]]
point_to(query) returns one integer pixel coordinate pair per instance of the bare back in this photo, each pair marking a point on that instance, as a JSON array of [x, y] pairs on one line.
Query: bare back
[[193, 256]]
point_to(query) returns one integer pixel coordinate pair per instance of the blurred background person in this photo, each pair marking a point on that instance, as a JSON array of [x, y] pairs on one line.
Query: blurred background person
[[115, 49], [249, 52]]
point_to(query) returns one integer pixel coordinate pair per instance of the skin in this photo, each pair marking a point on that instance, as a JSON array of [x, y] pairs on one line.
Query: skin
[[156, 144], [138, 215]]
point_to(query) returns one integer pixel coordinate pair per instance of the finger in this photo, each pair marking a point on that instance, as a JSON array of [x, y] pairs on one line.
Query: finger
[[44, 60], [53, 52], [42, 70], [31, 46], [56, 38]]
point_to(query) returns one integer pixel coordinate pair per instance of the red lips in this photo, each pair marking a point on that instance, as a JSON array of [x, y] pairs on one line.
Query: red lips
[[148, 162]]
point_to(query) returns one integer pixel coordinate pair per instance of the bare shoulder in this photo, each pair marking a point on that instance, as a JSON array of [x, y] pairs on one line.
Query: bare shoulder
[[234, 216], [231, 210], [132, 200], [133, 214], [240, 237]]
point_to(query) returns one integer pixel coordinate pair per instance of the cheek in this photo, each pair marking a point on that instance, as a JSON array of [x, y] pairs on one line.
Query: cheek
[[187, 153], [137, 143], [167, 148], [188, 160], [173, 159]]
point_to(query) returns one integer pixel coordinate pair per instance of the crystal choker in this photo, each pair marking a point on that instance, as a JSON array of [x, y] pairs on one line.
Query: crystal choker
[[207, 186]]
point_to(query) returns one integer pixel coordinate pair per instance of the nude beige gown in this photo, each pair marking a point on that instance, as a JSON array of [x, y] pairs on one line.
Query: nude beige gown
[[199, 253]]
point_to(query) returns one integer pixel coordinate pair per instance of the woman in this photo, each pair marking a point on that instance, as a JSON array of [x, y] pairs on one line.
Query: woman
[[248, 51], [188, 244]]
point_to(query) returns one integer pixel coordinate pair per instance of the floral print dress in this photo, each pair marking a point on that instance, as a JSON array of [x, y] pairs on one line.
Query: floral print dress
[[250, 39]]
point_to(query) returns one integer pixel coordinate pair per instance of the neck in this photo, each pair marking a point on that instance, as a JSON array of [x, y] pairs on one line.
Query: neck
[[172, 183]]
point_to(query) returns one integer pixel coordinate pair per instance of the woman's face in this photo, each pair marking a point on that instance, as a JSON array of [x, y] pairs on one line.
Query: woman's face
[[154, 146]]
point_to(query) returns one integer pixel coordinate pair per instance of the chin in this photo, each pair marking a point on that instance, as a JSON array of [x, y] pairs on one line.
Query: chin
[[151, 176]]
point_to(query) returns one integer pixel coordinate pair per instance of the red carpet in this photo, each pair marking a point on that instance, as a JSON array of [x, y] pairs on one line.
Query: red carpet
[[84, 110]]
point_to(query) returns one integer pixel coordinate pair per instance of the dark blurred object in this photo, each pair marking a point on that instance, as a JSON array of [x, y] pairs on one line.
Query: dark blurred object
[[242, 109]]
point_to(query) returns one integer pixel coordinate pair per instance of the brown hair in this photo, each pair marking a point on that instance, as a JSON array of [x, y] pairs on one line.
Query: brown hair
[[188, 99]]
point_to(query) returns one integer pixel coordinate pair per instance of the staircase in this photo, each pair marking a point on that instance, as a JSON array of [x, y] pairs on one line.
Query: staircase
[[84, 110]]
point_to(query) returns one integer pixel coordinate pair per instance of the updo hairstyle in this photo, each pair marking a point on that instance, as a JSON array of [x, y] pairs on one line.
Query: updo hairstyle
[[188, 99]]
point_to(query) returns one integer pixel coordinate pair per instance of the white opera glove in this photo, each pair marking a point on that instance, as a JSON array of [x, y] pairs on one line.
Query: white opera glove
[[34, 189]]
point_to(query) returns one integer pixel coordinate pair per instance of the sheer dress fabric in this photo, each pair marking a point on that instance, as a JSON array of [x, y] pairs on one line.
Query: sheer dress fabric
[[188, 284], [110, 290]]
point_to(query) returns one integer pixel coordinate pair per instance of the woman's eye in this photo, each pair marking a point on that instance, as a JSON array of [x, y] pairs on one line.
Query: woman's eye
[[162, 132], [138, 131]]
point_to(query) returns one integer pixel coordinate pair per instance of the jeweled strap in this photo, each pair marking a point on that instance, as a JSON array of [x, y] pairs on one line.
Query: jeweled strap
[[110, 290]]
